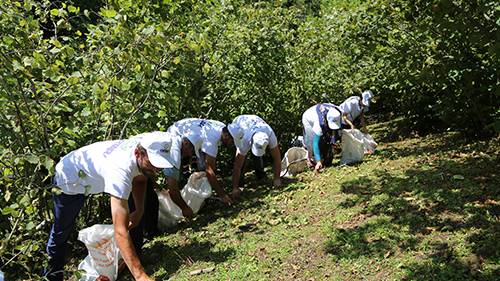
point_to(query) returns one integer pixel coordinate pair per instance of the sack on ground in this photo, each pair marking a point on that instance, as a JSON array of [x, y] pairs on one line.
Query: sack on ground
[[194, 194], [352, 146], [104, 255], [369, 144], [294, 162]]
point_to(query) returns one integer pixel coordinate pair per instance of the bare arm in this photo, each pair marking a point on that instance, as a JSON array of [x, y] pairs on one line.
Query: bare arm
[[344, 116], [120, 215], [275, 153], [175, 194], [212, 179], [239, 159], [139, 186]]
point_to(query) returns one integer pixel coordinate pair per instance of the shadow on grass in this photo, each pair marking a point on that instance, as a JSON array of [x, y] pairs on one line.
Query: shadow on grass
[[252, 198], [167, 260], [438, 196]]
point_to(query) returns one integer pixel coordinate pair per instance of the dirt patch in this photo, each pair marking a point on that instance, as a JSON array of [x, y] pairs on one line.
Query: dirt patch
[[355, 222]]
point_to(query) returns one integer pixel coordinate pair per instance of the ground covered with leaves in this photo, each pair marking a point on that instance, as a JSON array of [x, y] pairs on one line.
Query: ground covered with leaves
[[420, 208]]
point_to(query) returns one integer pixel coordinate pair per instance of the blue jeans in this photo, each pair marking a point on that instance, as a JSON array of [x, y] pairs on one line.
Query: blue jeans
[[66, 209]]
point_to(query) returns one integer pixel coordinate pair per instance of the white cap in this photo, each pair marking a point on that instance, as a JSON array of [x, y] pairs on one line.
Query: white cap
[[367, 96], [157, 145], [333, 119], [260, 140]]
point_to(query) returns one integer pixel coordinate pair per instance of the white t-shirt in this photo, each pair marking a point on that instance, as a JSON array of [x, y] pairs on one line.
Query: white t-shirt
[[310, 120], [108, 166], [352, 108], [174, 157], [204, 134], [251, 124]]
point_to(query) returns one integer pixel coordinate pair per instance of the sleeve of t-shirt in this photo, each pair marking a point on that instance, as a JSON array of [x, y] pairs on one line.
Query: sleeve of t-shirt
[[210, 147], [117, 182], [244, 146], [317, 128], [317, 154]]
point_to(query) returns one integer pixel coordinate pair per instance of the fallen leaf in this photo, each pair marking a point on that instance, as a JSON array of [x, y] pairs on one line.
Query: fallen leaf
[[200, 271]]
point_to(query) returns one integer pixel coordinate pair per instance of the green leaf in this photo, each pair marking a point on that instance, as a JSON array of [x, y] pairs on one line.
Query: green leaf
[[108, 13], [86, 112], [54, 12], [7, 196], [27, 61], [32, 158], [49, 164], [73, 9], [458, 177]]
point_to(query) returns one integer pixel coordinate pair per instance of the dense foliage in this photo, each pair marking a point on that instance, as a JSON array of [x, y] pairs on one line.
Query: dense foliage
[[72, 73]]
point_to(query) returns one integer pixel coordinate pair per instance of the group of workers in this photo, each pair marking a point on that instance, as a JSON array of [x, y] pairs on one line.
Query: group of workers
[[122, 168]]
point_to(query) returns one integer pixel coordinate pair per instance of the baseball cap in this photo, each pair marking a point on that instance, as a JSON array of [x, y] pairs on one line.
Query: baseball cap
[[259, 143], [333, 119], [367, 96], [157, 145]]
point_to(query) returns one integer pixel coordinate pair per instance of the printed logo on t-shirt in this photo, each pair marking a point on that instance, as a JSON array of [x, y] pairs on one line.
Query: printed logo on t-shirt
[[110, 149]]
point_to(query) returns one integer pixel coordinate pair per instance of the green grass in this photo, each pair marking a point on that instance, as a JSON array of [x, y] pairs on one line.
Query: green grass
[[422, 208]]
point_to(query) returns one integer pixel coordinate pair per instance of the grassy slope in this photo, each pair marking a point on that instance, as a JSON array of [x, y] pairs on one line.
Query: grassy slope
[[419, 209]]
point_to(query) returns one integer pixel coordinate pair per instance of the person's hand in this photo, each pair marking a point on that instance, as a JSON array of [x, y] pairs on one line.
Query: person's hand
[[187, 212], [226, 199], [236, 194], [277, 182], [135, 219], [102, 278], [318, 167]]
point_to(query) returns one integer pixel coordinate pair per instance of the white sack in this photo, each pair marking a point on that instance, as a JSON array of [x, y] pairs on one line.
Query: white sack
[[352, 146], [369, 144], [194, 194], [104, 255]]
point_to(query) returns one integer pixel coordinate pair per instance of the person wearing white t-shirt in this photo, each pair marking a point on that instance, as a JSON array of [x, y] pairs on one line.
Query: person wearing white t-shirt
[[354, 109], [321, 123], [181, 150], [206, 136], [119, 168], [250, 132], [174, 174]]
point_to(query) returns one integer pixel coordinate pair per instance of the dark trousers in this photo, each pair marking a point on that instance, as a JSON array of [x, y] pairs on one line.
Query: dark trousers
[[66, 210], [151, 209], [258, 165]]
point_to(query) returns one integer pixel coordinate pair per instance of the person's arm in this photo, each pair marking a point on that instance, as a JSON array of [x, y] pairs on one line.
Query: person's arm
[[139, 185], [120, 215], [276, 155], [317, 154], [175, 195], [212, 179], [239, 159], [344, 116]]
